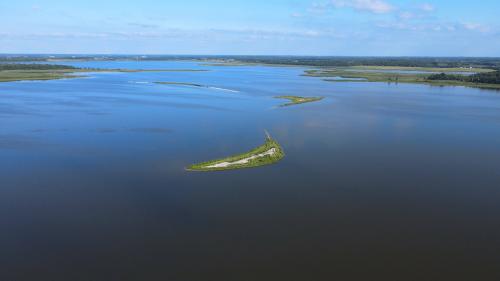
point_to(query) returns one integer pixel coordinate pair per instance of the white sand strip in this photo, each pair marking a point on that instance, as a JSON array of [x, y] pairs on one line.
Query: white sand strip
[[271, 152]]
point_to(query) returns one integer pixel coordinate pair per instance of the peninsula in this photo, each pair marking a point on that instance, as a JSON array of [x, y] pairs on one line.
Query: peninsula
[[10, 72]]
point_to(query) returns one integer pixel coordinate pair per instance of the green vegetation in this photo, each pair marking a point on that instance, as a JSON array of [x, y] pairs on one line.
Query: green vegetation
[[268, 153], [426, 69], [371, 76], [10, 72], [461, 64], [12, 76], [488, 78], [373, 61], [425, 62], [18, 72], [422, 78], [294, 100], [33, 66]]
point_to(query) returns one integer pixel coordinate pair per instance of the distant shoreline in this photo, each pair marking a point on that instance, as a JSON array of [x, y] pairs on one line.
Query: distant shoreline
[[371, 75], [357, 73], [15, 72]]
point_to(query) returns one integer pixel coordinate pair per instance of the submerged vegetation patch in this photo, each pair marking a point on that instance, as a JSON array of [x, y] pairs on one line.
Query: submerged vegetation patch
[[268, 153], [294, 100]]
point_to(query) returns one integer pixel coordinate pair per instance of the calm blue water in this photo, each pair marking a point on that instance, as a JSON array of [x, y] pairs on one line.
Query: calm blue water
[[380, 182]]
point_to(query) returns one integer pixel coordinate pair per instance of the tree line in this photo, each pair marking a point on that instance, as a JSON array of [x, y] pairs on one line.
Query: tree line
[[326, 61], [487, 77], [33, 66]]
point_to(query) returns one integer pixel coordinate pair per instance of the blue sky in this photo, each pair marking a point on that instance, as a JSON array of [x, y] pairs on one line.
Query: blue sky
[[271, 27]]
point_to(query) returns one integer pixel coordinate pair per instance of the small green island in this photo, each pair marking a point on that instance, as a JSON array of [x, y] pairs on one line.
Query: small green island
[[268, 153], [294, 100]]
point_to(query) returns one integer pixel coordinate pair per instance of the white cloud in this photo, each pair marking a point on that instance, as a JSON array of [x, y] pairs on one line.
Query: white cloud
[[476, 27], [319, 8], [436, 26], [373, 6], [173, 33], [406, 15], [143, 25], [426, 7]]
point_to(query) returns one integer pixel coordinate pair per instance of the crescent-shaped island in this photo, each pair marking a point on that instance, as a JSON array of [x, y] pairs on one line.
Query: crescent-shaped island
[[268, 153]]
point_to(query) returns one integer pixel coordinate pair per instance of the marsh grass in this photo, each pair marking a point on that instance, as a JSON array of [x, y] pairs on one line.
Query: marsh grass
[[294, 100], [417, 78], [256, 162], [31, 72]]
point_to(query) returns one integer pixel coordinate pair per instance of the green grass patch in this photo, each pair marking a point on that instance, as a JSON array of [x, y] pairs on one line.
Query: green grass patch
[[26, 75], [391, 78], [268, 153], [294, 100], [426, 69], [25, 72]]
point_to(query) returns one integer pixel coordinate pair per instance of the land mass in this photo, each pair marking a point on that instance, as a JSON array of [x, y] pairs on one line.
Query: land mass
[[268, 153], [308, 61], [483, 78], [10, 72], [294, 100], [479, 78], [469, 72]]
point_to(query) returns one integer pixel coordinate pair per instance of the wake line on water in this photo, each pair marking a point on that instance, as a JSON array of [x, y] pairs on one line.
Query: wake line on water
[[193, 85], [223, 89]]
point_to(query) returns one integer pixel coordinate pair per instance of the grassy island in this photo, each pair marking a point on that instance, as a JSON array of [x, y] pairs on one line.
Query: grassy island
[[268, 153], [294, 100]]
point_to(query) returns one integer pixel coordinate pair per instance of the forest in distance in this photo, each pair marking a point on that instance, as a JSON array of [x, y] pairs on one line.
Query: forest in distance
[[327, 61], [488, 77]]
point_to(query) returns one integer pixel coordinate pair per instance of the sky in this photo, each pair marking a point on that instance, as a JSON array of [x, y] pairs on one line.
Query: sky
[[237, 27]]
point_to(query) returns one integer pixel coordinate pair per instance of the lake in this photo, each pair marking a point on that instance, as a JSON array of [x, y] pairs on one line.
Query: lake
[[380, 181]]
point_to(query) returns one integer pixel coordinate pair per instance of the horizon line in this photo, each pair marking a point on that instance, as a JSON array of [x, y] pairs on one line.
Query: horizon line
[[238, 55]]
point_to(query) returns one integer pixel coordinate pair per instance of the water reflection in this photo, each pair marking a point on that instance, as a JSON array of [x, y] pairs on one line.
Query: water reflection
[[379, 180]]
